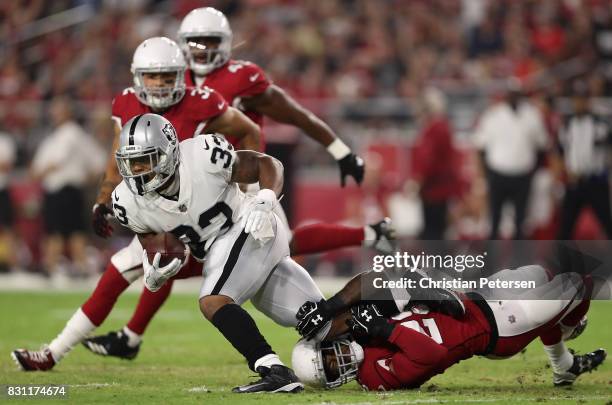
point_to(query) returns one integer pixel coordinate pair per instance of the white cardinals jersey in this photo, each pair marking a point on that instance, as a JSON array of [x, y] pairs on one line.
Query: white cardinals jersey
[[208, 203]]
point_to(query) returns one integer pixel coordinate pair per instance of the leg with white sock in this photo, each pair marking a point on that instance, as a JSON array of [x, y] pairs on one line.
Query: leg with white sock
[[84, 321], [93, 312], [76, 329], [567, 366], [560, 358]]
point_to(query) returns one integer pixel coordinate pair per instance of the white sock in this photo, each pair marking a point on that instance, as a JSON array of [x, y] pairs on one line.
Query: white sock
[[560, 358], [268, 360], [134, 338], [76, 329]]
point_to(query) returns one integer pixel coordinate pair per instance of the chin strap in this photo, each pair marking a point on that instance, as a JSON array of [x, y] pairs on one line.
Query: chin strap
[[171, 188]]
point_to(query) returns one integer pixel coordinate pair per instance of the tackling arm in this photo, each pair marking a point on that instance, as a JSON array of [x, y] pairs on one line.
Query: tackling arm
[[275, 103], [234, 123], [349, 295]]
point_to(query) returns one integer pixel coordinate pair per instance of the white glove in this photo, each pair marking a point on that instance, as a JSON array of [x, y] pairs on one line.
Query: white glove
[[260, 210], [155, 276]]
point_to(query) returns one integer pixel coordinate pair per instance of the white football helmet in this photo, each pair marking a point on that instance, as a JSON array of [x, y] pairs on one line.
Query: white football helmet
[[310, 361], [148, 153], [159, 55], [205, 22]]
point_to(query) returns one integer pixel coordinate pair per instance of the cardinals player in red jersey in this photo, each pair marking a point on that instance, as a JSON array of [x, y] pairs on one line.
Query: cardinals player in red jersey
[[407, 349], [206, 39], [158, 67]]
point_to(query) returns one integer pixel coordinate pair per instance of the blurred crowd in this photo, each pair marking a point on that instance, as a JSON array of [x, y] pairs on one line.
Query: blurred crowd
[[395, 78], [339, 49]]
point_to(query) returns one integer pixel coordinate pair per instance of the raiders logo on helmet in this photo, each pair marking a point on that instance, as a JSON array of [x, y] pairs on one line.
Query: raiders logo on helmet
[[170, 133]]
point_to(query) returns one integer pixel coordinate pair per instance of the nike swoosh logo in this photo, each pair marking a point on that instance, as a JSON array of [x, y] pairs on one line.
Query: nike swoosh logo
[[206, 147], [254, 77], [250, 387], [383, 364], [220, 105]]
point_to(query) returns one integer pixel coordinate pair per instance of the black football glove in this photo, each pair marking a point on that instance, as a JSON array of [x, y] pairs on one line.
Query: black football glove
[[368, 320], [351, 165], [101, 226], [312, 317]]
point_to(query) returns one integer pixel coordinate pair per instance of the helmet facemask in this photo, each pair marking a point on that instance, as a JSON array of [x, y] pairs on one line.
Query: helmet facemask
[[340, 361], [159, 97], [206, 52]]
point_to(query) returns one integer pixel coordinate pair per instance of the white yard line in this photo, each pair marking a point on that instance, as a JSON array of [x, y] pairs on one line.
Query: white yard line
[[204, 388], [198, 389]]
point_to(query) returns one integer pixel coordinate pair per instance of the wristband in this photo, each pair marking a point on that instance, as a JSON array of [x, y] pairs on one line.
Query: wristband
[[338, 149], [267, 195]]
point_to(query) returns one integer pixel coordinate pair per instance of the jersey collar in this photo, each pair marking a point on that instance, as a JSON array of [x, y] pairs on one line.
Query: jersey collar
[[190, 80], [184, 197]]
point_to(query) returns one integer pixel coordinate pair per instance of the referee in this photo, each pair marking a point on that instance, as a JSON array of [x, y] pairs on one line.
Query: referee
[[584, 142]]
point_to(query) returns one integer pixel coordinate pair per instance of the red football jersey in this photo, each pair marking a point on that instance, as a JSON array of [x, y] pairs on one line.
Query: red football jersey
[[189, 116], [235, 80], [422, 345]]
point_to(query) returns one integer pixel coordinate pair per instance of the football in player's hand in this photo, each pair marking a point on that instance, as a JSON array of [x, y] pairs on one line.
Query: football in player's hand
[[167, 244]]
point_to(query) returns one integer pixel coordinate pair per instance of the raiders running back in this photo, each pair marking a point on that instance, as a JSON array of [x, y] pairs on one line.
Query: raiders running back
[[206, 205], [191, 190]]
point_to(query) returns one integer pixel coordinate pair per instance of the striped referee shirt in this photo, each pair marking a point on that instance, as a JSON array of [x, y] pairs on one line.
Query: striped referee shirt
[[585, 142]]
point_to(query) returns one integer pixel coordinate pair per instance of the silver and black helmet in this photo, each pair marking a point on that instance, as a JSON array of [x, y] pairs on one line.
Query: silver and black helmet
[[148, 153]]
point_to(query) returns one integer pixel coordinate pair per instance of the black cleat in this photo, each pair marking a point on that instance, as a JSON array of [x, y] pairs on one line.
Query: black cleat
[[273, 379], [443, 300], [447, 302], [385, 235], [582, 364], [113, 344]]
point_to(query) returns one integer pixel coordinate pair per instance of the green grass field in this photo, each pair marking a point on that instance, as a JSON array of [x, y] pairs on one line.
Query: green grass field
[[185, 360]]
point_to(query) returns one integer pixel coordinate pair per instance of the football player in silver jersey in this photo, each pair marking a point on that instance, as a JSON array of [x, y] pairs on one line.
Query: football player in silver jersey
[[191, 190]]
